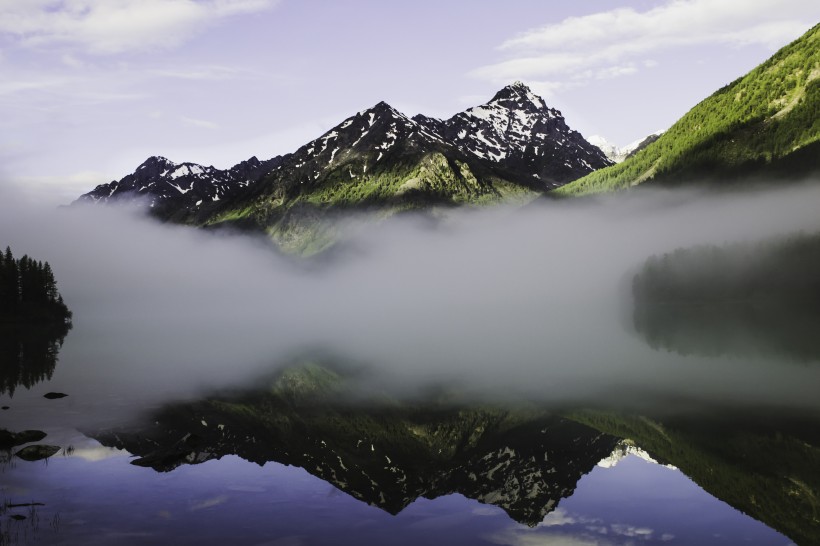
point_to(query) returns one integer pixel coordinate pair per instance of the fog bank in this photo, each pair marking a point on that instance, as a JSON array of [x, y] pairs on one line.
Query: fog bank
[[515, 301]]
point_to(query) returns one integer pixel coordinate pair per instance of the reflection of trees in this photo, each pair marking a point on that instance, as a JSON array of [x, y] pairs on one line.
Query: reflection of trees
[[28, 354], [737, 299], [777, 330], [763, 462]]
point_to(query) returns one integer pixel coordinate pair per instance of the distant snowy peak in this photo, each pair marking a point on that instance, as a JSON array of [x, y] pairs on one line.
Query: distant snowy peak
[[163, 184], [634, 147], [616, 154], [612, 151]]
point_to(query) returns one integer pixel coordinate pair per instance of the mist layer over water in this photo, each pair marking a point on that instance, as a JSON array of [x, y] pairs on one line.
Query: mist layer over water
[[511, 302]]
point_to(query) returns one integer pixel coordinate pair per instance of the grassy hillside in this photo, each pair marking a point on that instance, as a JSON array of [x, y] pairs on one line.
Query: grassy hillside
[[767, 122]]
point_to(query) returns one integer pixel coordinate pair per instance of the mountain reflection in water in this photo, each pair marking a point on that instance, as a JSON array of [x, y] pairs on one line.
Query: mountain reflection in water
[[399, 455], [421, 461], [522, 459]]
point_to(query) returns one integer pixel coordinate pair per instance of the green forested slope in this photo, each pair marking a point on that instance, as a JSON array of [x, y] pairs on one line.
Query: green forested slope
[[765, 122]]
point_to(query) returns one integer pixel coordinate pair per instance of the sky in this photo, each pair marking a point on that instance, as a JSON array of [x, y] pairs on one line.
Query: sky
[[90, 88]]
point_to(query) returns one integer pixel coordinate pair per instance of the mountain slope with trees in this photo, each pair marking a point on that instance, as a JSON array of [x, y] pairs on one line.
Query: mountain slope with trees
[[766, 123]]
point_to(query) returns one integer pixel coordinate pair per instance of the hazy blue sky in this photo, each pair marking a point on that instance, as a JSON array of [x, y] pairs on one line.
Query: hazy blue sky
[[90, 88]]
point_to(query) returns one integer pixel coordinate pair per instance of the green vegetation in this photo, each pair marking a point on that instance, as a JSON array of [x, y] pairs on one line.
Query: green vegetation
[[757, 125], [307, 217], [28, 292]]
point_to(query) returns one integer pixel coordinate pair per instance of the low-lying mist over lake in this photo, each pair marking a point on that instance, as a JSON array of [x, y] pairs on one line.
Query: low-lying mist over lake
[[503, 302]]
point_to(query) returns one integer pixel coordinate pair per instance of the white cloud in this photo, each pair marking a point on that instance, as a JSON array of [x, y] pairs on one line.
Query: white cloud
[[98, 453], [485, 510], [72, 61], [114, 26], [208, 503], [204, 124], [632, 531], [56, 190], [200, 73], [77, 181], [529, 537], [26, 85], [607, 44], [557, 518], [62, 91], [616, 71]]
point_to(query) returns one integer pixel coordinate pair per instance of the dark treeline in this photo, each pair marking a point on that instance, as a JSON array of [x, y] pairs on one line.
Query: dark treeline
[[784, 271], [740, 299], [28, 291]]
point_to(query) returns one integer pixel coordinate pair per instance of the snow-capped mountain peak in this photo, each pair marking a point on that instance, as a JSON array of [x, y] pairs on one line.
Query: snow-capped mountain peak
[[518, 131], [518, 95], [515, 135], [617, 154], [611, 151]]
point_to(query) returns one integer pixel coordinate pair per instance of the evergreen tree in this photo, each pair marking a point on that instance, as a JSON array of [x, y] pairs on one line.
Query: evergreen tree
[[28, 291]]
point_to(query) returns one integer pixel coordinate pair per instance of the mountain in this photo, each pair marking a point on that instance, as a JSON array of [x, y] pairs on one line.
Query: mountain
[[521, 134], [616, 154], [764, 124], [170, 188], [378, 160]]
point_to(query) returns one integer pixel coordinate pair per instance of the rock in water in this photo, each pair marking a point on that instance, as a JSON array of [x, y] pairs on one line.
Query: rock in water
[[37, 452], [9, 440]]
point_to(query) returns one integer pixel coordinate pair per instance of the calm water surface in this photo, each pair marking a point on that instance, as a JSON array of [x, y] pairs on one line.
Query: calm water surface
[[409, 472]]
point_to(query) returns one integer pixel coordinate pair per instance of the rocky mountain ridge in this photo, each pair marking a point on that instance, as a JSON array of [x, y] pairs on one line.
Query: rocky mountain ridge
[[377, 159]]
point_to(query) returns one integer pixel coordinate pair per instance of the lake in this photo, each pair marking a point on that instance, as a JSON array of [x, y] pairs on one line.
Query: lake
[[304, 455], [424, 385]]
